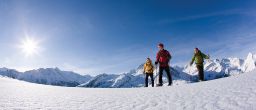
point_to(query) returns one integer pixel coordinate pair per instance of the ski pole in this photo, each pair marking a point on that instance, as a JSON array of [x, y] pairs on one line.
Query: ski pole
[[157, 73]]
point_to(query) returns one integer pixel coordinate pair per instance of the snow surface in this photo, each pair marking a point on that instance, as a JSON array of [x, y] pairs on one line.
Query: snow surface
[[231, 93]]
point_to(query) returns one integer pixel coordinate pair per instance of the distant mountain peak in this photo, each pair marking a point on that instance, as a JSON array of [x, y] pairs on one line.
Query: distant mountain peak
[[249, 63]]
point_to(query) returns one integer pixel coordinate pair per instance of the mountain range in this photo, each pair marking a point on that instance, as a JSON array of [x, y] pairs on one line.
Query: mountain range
[[214, 69]]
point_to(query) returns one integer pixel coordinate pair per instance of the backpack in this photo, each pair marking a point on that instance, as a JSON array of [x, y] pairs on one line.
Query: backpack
[[164, 56]]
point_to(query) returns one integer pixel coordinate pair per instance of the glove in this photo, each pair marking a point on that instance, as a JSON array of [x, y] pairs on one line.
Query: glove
[[156, 63]]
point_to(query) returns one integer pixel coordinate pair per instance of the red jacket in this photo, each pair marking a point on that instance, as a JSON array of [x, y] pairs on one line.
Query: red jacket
[[163, 57]]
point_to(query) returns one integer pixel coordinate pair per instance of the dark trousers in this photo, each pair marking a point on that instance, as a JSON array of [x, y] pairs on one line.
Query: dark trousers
[[168, 72], [200, 69], [146, 79]]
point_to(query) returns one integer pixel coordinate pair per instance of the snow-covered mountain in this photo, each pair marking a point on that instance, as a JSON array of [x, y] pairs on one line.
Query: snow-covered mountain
[[214, 69], [249, 63], [225, 67], [48, 76]]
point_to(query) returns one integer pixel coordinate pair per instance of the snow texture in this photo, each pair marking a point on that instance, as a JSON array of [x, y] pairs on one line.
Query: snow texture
[[231, 93]]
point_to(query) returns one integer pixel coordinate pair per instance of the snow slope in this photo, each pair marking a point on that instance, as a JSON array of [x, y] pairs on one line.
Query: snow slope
[[232, 93]]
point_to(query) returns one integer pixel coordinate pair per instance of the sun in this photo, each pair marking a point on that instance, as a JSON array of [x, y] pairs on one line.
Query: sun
[[29, 46]]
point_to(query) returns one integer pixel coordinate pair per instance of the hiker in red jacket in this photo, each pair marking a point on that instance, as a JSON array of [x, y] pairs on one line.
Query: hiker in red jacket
[[163, 57]]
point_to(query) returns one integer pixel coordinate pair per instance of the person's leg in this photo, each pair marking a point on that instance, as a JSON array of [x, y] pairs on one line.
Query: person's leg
[[152, 79], [146, 80], [160, 76], [200, 72], [169, 76], [198, 69]]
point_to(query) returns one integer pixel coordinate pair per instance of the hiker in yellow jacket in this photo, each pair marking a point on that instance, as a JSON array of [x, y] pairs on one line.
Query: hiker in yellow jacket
[[148, 70]]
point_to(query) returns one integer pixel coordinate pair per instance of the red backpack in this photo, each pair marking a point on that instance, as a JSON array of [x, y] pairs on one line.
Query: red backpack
[[163, 57]]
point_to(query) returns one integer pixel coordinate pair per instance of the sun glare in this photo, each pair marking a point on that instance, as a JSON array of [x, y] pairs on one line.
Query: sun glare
[[29, 46]]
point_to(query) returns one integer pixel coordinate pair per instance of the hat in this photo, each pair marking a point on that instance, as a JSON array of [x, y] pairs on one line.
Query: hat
[[161, 45]]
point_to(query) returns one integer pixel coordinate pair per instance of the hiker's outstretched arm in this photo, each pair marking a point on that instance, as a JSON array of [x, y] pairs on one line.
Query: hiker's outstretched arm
[[205, 56]]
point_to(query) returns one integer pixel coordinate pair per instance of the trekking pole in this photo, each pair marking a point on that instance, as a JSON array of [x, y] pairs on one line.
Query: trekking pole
[[157, 73]]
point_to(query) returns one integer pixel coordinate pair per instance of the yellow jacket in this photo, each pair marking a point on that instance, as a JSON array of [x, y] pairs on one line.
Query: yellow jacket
[[148, 67]]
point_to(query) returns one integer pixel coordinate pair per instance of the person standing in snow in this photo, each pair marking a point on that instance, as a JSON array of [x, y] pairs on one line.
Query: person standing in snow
[[163, 57], [198, 58], [148, 70]]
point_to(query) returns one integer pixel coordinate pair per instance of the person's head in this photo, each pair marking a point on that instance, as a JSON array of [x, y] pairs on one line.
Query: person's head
[[148, 60], [196, 50], [160, 46]]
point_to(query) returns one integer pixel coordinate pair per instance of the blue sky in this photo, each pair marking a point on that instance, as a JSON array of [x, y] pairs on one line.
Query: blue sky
[[114, 36]]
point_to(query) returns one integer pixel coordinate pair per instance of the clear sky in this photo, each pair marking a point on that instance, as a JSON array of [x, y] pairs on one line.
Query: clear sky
[[114, 36]]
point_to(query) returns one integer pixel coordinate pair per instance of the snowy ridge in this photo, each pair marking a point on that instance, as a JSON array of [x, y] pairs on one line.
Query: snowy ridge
[[225, 67], [214, 69], [48, 76]]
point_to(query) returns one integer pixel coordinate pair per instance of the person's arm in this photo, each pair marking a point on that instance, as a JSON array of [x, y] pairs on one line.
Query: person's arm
[[157, 58], [192, 61], [144, 67], [205, 56]]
